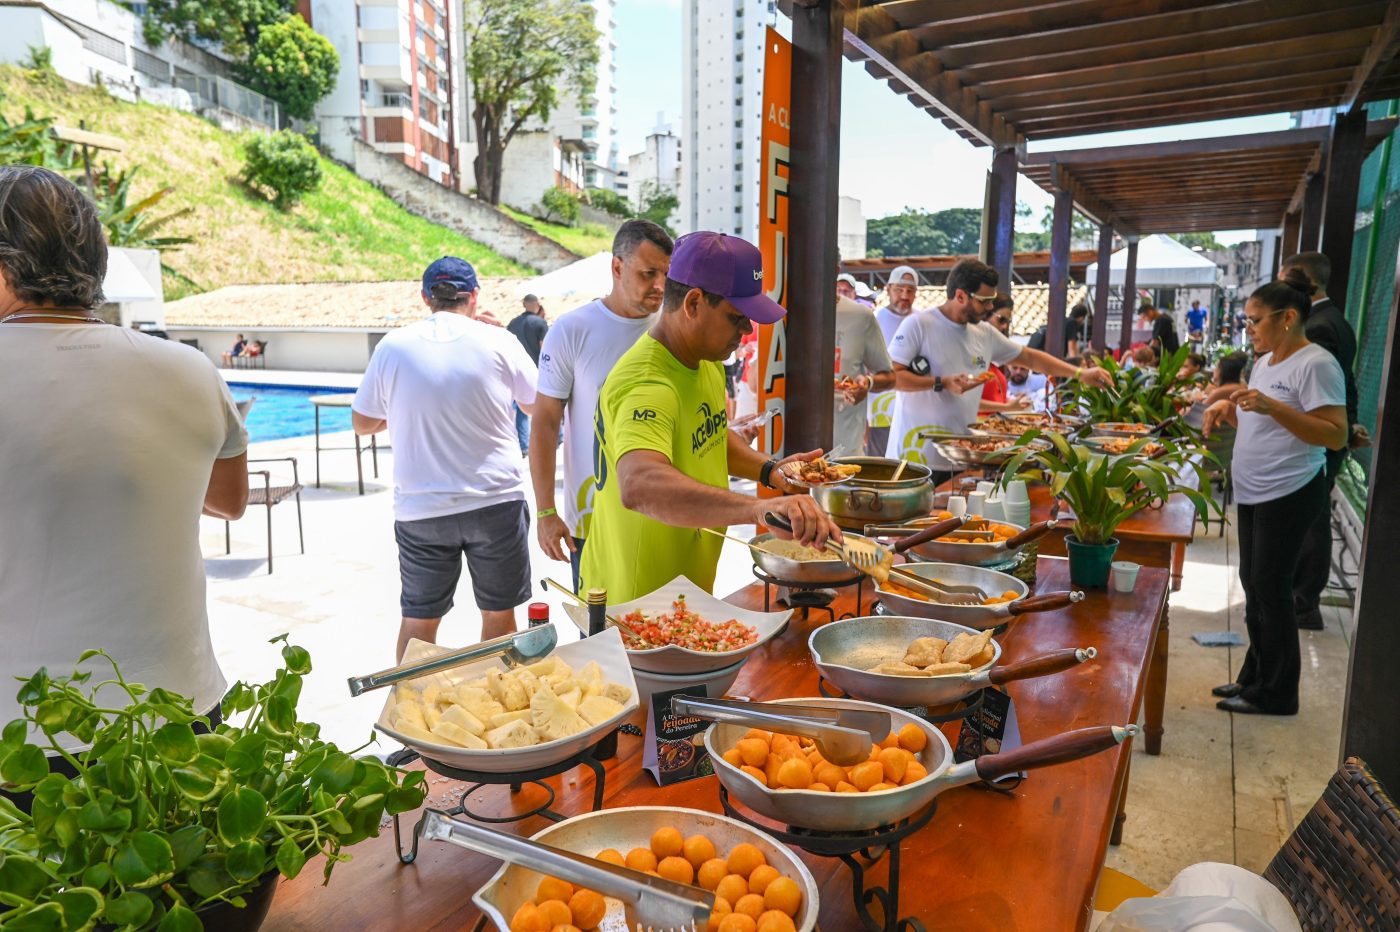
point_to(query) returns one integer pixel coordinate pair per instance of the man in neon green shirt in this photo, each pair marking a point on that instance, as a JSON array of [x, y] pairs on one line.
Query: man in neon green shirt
[[663, 450]]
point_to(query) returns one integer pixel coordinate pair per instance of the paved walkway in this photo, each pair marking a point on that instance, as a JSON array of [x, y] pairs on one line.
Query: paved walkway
[[1226, 788]]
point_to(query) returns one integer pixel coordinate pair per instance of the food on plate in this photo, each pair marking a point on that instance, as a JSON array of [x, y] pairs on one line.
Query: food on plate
[[792, 550], [1126, 428], [819, 471], [894, 588], [1020, 423], [1121, 445], [795, 764], [977, 523], [981, 444], [744, 883], [520, 708], [846, 383], [684, 628], [931, 656], [981, 377]]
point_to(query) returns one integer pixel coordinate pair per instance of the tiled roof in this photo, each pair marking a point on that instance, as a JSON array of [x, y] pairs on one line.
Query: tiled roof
[[370, 305], [1032, 303]]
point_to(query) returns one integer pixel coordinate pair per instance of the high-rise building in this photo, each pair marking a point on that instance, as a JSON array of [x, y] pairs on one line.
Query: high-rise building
[[593, 121], [721, 123], [400, 83]]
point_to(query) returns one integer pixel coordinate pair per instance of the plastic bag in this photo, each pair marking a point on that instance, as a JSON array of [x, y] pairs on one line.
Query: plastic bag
[[1207, 897]]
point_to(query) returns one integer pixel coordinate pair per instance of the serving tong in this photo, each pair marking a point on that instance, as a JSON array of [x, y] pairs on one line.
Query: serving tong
[[516, 649], [613, 620], [843, 736], [660, 904], [876, 561]]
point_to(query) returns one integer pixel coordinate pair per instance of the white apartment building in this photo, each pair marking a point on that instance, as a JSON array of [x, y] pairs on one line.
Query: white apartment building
[[722, 101], [401, 81], [657, 167], [594, 121]]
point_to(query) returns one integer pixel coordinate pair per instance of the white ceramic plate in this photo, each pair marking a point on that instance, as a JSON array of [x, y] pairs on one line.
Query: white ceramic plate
[[606, 648], [672, 659]]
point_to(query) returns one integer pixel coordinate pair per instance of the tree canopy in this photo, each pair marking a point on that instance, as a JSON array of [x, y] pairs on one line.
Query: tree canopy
[[293, 64], [522, 55], [914, 232], [234, 24]]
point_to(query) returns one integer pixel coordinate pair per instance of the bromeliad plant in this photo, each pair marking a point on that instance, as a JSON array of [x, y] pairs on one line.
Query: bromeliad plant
[[1104, 490], [1135, 396], [160, 821]]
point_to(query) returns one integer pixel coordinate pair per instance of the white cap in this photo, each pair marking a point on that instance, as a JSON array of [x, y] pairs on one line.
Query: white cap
[[848, 278], [863, 290], [903, 275]]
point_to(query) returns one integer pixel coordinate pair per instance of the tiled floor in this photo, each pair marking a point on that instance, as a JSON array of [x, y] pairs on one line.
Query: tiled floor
[[1226, 788]]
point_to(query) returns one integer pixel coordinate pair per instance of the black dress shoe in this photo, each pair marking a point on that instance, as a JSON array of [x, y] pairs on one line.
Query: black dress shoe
[[1310, 620], [1243, 706], [1228, 690]]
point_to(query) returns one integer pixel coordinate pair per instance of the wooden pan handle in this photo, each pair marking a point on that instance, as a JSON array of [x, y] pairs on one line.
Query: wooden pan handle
[[1048, 602], [932, 532], [1072, 745], [1033, 533], [1045, 664]]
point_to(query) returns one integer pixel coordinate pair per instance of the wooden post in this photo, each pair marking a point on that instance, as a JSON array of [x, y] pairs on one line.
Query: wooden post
[[816, 145], [1059, 272], [999, 225], [1292, 231], [1278, 257], [1368, 720], [1101, 288], [1344, 158], [1125, 338], [1310, 229]]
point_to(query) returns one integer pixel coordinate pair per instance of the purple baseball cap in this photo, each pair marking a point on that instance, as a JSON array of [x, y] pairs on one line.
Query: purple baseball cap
[[451, 270], [726, 266]]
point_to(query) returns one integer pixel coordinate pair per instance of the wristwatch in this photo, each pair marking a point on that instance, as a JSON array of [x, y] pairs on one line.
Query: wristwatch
[[938, 383], [765, 473]]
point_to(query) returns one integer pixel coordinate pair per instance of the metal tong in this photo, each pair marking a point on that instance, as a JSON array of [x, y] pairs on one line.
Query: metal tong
[[515, 649], [659, 903], [844, 736]]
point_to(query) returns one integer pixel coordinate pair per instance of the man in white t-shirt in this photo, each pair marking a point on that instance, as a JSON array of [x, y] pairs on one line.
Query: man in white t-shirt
[[1021, 382], [579, 351], [112, 443], [444, 386], [902, 288], [862, 366], [940, 360]]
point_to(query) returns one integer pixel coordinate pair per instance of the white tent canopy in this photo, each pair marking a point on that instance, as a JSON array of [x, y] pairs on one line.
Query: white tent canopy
[[1162, 263], [586, 279], [123, 282]]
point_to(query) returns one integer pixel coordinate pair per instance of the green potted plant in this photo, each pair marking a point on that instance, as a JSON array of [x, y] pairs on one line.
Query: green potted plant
[[1137, 397], [163, 828], [1104, 490]]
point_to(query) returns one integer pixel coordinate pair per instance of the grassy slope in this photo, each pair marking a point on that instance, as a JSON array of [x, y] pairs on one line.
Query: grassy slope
[[585, 239], [346, 231]]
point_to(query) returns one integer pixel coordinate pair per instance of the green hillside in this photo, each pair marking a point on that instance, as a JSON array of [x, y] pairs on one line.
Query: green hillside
[[346, 231]]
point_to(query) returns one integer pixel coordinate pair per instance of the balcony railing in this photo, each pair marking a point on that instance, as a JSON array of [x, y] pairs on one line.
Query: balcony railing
[[396, 100]]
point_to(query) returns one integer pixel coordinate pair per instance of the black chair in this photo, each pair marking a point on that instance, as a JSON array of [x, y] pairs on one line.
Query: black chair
[[269, 495]]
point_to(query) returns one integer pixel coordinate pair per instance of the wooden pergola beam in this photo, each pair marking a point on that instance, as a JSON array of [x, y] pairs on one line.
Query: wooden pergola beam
[[1310, 135], [1378, 58]]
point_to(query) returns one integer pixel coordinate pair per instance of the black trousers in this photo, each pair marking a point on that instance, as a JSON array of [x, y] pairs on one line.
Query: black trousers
[[1315, 551], [1269, 560]]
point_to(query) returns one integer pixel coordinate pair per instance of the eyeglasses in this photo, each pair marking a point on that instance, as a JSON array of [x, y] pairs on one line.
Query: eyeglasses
[[1001, 319], [981, 300], [1256, 321]]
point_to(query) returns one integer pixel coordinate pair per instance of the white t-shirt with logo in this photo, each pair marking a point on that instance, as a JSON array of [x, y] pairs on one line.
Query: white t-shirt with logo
[[579, 351], [860, 350], [1033, 388], [445, 385], [880, 405], [951, 349], [1269, 461], [107, 441]]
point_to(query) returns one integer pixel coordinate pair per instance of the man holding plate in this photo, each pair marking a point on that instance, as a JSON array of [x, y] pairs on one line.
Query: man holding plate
[[663, 450]]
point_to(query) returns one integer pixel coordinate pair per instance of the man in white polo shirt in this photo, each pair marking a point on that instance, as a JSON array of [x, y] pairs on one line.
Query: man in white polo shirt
[[939, 356], [579, 351], [902, 288], [445, 386]]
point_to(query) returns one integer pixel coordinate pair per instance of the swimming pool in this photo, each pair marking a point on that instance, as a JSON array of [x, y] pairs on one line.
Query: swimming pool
[[281, 411]]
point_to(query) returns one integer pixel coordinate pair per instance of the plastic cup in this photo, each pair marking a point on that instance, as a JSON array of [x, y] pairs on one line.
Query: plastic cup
[[1125, 575], [992, 510], [986, 488], [977, 504], [1015, 513], [957, 506], [1016, 492]]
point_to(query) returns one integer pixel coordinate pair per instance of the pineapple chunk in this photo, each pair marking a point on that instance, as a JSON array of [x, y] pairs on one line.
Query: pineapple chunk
[[505, 718], [572, 698], [617, 692], [414, 733], [552, 718], [463, 718], [598, 709], [431, 715], [455, 734], [408, 710], [591, 671], [544, 667], [515, 734]]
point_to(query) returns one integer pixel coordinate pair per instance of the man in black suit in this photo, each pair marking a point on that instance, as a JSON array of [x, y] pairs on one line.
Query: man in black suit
[[1326, 326]]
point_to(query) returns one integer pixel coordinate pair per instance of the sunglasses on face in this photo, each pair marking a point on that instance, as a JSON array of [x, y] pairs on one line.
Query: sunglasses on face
[[1000, 319]]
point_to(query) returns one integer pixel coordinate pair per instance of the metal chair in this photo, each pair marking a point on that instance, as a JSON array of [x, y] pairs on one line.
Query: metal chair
[[269, 495], [1338, 866]]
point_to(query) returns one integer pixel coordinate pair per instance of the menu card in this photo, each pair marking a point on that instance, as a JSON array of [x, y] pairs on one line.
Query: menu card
[[675, 748], [990, 729]]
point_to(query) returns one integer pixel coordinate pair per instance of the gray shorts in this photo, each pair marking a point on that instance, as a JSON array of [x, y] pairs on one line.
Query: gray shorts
[[496, 542]]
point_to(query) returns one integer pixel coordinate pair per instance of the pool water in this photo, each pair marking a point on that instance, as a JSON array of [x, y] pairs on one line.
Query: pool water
[[281, 411]]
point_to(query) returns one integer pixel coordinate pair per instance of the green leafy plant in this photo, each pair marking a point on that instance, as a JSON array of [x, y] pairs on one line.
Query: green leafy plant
[[1104, 490], [293, 64], [610, 202], [134, 224], [1136, 396], [161, 821], [560, 206], [31, 142], [284, 164]]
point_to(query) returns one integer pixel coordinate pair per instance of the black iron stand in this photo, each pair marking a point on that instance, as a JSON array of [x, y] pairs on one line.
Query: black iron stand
[[515, 781], [806, 596], [859, 851]]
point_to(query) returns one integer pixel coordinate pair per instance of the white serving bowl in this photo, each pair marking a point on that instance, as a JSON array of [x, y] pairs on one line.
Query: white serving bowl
[[716, 682]]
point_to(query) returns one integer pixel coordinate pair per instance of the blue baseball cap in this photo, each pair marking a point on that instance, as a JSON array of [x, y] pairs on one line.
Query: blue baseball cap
[[450, 269], [726, 266]]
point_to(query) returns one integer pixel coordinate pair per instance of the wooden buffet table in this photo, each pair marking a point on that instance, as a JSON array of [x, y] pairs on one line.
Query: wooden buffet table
[[1025, 860]]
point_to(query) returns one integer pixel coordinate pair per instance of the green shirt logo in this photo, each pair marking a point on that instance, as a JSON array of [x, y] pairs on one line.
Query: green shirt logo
[[712, 424]]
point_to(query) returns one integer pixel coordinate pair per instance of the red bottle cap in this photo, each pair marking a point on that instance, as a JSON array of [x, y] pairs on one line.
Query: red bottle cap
[[538, 611]]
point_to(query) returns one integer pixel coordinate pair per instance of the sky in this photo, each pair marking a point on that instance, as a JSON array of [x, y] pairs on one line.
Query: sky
[[893, 154]]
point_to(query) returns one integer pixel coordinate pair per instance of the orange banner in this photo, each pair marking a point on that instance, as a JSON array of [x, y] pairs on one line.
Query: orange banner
[[773, 233]]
